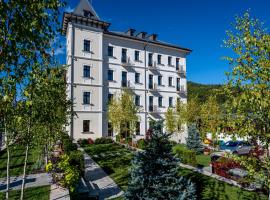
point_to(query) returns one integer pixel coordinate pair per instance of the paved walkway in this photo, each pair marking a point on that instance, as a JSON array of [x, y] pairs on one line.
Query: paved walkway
[[99, 181], [59, 193], [32, 180]]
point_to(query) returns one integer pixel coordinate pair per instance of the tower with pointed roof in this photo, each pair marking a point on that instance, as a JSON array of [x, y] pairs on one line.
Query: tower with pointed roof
[[101, 63]]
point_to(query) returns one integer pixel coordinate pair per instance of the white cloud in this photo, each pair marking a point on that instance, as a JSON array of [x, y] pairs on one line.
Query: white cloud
[[68, 9], [59, 51]]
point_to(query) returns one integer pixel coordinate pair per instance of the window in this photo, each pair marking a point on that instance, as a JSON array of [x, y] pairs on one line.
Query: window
[[159, 80], [150, 59], [110, 130], [86, 97], [138, 129], [178, 84], [170, 81], [137, 77], [137, 55], [86, 125], [169, 60], [110, 51], [110, 75], [170, 101], [137, 100], [150, 81], [86, 71], [177, 64], [86, 45], [159, 59], [160, 101], [110, 97], [124, 56]]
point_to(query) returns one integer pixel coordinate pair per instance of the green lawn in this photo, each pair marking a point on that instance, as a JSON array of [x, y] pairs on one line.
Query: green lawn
[[207, 188], [17, 160], [40, 193], [114, 159], [203, 160]]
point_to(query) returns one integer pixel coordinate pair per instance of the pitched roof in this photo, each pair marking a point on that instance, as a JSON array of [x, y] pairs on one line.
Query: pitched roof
[[83, 6]]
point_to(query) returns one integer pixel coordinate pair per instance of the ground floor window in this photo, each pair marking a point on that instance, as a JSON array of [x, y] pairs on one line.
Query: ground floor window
[[86, 125]]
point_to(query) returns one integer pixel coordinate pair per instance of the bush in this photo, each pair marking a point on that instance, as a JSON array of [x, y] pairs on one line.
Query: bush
[[186, 156], [117, 138], [173, 143], [103, 140], [77, 160], [128, 140], [141, 143], [82, 142], [68, 145]]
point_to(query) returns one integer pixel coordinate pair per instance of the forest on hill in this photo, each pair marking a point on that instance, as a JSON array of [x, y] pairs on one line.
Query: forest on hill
[[203, 91]]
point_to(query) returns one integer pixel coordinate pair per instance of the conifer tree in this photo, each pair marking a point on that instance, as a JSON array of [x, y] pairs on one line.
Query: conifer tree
[[194, 140], [154, 173]]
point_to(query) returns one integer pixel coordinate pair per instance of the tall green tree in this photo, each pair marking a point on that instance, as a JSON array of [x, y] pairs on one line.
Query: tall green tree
[[122, 113], [26, 34], [170, 121], [155, 173], [248, 112]]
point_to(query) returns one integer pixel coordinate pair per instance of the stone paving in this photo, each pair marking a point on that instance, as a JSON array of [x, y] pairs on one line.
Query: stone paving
[[32, 180], [99, 181], [59, 193]]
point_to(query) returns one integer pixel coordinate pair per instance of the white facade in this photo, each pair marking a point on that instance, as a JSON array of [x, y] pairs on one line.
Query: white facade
[[83, 27]]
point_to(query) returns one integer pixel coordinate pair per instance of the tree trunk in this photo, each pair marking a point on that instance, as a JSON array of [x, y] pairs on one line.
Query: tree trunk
[[24, 171], [25, 160], [8, 160]]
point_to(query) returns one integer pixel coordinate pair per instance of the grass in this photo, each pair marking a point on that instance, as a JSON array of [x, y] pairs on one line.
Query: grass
[[17, 161], [203, 160], [114, 159], [207, 188], [34, 193]]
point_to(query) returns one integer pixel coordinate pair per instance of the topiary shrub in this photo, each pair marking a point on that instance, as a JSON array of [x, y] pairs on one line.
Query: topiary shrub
[[186, 156], [103, 140]]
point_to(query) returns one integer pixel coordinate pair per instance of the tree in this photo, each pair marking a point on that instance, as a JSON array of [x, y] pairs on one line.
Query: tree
[[122, 113], [170, 122], [26, 35], [194, 141], [155, 173], [247, 113], [211, 117]]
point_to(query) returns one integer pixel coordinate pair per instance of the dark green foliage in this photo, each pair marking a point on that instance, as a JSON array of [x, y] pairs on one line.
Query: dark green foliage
[[117, 138], [186, 156], [194, 141], [203, 91], [77, 160], [128, 139], [154, 173], [142, 143], [83, 142], [103, 140]]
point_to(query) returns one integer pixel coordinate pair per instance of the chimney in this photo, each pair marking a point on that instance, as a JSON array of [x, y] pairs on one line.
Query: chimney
[[142, 35], [130, 32], [153, 37]]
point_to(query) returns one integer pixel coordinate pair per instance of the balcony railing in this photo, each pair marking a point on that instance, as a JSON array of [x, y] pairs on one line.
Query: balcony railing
[[126, 84], [181, 71], [125, 61]]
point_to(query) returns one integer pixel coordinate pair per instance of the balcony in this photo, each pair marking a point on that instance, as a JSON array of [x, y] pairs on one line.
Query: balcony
[[181, 71], [126, 84], [152, 65], [153, 108], [181, 90]]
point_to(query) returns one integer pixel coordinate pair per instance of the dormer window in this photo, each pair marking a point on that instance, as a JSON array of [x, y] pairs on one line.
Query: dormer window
[[87, 13]]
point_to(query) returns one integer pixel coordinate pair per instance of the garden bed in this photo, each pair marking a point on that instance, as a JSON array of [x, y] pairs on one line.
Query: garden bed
[[116, 161]]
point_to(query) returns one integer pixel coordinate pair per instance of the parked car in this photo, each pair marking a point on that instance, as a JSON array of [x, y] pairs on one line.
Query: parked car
[[237, 147]]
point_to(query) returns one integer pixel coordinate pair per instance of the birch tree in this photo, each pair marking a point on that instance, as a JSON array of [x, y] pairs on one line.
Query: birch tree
[[248, 112]]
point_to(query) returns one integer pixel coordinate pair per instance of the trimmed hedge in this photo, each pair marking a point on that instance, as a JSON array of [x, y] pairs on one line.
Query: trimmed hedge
[[77, 160], [186, 156], [103, 140]]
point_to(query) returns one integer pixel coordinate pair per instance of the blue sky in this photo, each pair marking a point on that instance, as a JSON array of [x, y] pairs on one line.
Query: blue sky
[[196, 24]]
